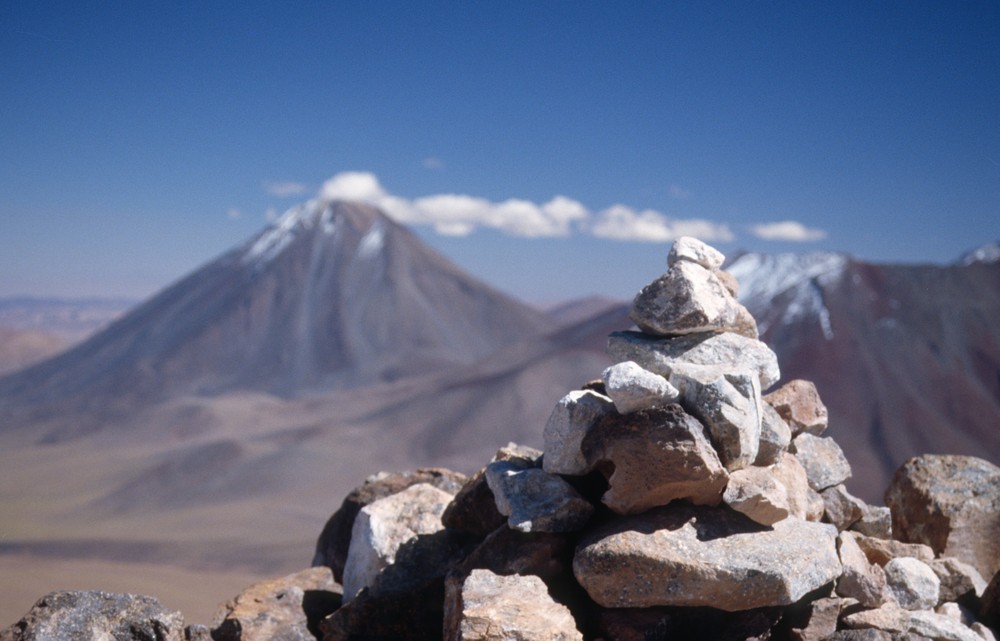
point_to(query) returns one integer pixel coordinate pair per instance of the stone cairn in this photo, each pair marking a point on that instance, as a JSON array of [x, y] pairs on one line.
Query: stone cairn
[[672, 501]]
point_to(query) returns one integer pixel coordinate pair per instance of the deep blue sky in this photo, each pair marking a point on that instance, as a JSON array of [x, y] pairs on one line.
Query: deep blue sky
[[139, 140]]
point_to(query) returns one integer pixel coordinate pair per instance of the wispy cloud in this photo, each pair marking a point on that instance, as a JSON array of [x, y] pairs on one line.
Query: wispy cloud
[[788, 230], [285, 189], [678, 192], [432, 162], [460, 214], [233, 213]]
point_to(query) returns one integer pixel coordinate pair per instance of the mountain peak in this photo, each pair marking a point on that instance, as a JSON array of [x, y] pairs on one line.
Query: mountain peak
[[988, 253]]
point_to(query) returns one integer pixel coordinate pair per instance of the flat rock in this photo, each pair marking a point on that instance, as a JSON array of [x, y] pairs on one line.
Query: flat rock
[[912, 583], [940, 627], [951, 503], [958, 578], [695, 251], [689, 299], [876, 521], [841, 508], [658, 455], [285, 609], [823, 460], [534, 500], [889, 617], [861, 579], [383, 526], [755, 492], [573, 417], [633, 388], [684, 555], [710, 353], [798, 402], [97, 616], [880, 551], [730, 407], [500, 608], [775, 436]]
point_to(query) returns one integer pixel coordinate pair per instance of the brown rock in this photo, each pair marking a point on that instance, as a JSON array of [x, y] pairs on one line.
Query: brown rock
[[951, 503], [841, 508], [989, 603], [881, 551], [755, 492], [876, 520], [790, 473], [285, 609], [958, 579], [823, 615], [890, 618], [861, 579], [775, 436], [658, 455], [799, 404], [474, 509], [648, 624]]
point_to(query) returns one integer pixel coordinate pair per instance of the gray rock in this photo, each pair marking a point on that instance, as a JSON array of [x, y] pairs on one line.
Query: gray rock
[[912, 583], [657, 455], [958, 578], [730, 407], [501, 608], [939, 627], [572, 418], [775, 436], [863, 634], [633, 388], [713, 354], [695, 251], [755, 492], [823, 460], [278, 609], [861, 579], [951, 503], [798, 402], [384, 525], [689, 299], [876, 520], [97, 616], [534, 500], [841, 508], [683, 555]]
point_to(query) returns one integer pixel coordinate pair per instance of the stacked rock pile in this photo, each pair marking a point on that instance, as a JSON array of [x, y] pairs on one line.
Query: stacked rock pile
[[675, 499]]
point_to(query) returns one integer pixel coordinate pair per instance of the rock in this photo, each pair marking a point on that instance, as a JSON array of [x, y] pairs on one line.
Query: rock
[[689, 299], [889, 617], [649, 624], [633, 388], [285, 609], [569, 423], [876, 521], [713, 354], [823, 615], [989, 603], [730, 408], [331, 547], [695, 251], [951, 503], [384, 525], [790, 473], [474, 508], [841, 508], [97, 616], [683, 555], [984, 633], [498, 608], [863, 634], [658, 455], [194, 632], [755, 492], [958, 579], [798, 402], [912, 583], [823, 460], [881, 551], [815, 507], [534, 500], [775, 436], [940, 627], [861, 579]]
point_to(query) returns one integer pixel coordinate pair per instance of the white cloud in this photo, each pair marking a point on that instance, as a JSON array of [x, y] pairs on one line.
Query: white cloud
[[285, 189], [461, 214], [788, 230]]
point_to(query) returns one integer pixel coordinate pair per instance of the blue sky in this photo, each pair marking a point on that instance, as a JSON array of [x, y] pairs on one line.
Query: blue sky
[[551, 148]]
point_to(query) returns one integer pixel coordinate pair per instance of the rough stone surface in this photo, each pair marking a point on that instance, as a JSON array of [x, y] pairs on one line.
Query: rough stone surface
[[790, 473], [958, 578], [989, 603], [285, 609], [864, 634], [730, 408], [500, 608], [569, 423], [951, 503], [823, 460], [683, 555], [695, 251], [940, 627], [841, 508], [876, 520], [984, 632], [97, 616], [714, 354], [633, 388], [688, 299], [655, 624], [755, 492], [798, 402], [474, 508], [384, 525], [861, 579], [823, 615], [658, 455], [890, 618], [534, 500], [912, 583], [775, 436], [881, 551], [334, 540]]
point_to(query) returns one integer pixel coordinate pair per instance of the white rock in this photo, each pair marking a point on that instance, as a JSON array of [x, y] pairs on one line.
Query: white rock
[[730, 407], [633, 388], [512, 608], [755, 492], [695, 251], [568, 424], [912, 583], [940, 627]]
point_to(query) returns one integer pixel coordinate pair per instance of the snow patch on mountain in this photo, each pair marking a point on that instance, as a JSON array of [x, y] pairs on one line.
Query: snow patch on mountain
[[988, 253], [273, 240], [372, 242]]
